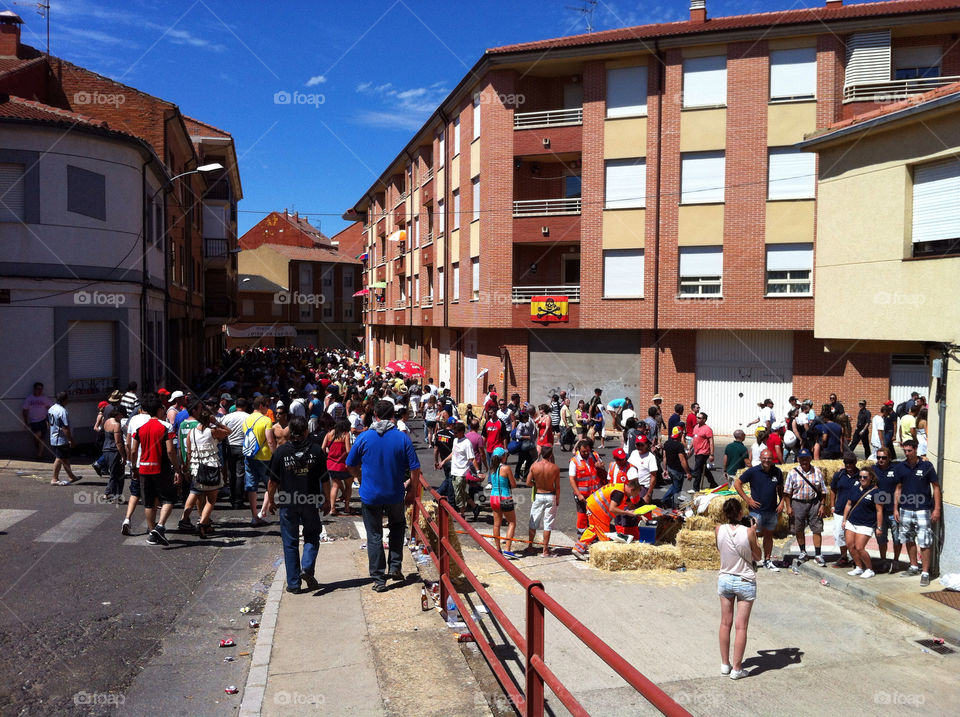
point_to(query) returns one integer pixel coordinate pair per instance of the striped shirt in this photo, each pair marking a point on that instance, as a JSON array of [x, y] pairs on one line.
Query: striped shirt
[[799, 489]]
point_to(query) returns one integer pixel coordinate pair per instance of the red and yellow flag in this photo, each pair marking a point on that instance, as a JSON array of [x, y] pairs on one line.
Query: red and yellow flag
[[550, 308]]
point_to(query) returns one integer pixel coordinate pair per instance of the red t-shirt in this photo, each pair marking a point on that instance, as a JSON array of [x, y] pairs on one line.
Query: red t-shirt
[[691, 423], [544, 432], [774, 440], [152, 436], [494, 431], [701, 440]]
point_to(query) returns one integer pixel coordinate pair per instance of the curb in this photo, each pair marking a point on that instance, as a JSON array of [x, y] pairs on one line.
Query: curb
[[934, 624], [256, 685]]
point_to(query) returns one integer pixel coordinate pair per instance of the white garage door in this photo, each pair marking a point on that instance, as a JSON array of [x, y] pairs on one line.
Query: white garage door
[[738, 369], [908, 373]]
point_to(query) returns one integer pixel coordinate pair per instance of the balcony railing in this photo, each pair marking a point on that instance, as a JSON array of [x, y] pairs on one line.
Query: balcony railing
[[426, 177], [401, 304], [887, 91], [545, 207], [428, 240], [550, 118], [523, 294], [426, 301], [214, 248]]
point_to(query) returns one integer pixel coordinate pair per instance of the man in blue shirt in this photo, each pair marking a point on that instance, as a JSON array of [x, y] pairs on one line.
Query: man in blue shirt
[[917, 506], [765, 500], [887, 488], [380, 458], [831, 444], [844, 486]]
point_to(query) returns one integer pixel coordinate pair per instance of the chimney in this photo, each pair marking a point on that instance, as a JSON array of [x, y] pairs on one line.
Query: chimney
[[698, 10], [10, 34]]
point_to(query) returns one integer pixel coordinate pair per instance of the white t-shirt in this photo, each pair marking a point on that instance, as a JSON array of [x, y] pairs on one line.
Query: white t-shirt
[[402, 426], [461, 456], [766, 414], [36, 408], [642, 467], [755, 450], [876, 425], [234, 421], [298, 408]]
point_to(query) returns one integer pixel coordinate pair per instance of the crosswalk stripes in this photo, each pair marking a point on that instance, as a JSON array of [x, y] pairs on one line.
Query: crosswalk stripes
[[11, 516], [72, 528]]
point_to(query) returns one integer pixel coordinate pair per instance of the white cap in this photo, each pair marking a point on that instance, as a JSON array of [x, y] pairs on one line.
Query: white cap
[[175, 395]]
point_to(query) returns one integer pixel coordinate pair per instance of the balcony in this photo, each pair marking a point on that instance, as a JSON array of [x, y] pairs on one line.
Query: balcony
[[893, 90], [426, 190], [216, 248], [401, 304], [549, 118], [546, 207], [427, 177], [426, 255], [400, 214], [523, 294], [426, 302]]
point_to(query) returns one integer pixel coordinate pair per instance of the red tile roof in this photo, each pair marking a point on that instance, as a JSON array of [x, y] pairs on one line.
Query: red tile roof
[[196, 127], [737, 22], [15, 64], [951, 89], [302, 253], [19, 108]]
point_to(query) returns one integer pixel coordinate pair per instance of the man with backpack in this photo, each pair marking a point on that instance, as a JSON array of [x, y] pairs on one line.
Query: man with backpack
[[258, 446]]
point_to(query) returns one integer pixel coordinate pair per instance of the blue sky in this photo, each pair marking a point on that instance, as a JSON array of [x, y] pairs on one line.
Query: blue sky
[[369, 73]]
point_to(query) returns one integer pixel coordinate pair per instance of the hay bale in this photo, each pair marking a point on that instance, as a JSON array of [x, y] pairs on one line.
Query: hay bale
[[613, 556], [715, 509], [699, 522], [431, 508], [698, 548]]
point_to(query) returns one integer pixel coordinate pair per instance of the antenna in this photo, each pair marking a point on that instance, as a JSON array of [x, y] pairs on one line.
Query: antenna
[[586, 9], [43, 10]]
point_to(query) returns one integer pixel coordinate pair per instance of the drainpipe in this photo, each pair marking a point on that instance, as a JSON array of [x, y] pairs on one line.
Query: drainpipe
[[656, 236], [144, 282], [446, 224], [941, 398]]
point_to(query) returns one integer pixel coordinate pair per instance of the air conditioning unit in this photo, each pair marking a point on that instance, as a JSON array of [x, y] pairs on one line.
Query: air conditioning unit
[[546, 141]]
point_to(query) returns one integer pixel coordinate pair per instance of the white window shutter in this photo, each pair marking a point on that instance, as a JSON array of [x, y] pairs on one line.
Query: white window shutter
[[789, 257], [626, 183], [936, 202], [627, 91], [11, 192], [701, 261], [793, 73], [90, 349], [792, 174], [705, 81], [702, 177], [476, 116], [868, 58], [622, 272], [441, 217]]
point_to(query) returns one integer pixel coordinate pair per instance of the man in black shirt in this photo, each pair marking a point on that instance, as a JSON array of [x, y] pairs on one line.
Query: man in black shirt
[[861, 434], [675, 456], [300, 488], [443, 447]]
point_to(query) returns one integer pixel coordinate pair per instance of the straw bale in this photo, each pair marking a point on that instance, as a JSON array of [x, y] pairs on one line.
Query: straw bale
[[614, 556], [699, 522], [431, 508], [715, 508], [698, 548]]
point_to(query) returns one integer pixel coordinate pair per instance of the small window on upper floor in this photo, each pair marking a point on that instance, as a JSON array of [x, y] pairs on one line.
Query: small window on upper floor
[[86, 193], [11, 190], [705, 81], [793, 74], [935, 229], [911, 63], [627, 91]]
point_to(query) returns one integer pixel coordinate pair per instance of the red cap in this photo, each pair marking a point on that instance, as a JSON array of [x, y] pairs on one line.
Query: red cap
[[888, 403], [102, 405], [163, 392], [620, 454], [643, 439]]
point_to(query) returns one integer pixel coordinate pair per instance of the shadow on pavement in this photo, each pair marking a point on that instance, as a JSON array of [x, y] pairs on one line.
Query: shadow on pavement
[[767, 660]]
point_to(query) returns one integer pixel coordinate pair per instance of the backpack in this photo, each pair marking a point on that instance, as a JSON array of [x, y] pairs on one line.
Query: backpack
[[813, 430], [901, 410], [251, 444]]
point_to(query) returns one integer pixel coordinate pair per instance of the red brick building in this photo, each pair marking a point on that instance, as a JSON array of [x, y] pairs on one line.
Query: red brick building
[[648, 175], [352, 241]]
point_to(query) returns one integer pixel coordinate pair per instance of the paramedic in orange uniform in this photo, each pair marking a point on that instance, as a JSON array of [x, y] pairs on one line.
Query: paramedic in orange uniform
[[602, 507], [587, 474]]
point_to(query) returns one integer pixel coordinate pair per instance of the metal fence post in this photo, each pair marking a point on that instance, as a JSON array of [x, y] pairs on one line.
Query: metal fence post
[[533, 691]]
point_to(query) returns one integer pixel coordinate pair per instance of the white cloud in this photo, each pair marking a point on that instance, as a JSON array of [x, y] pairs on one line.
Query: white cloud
[[185, 37], [364, 86], [390, 120], [405, 109], [316, 80]]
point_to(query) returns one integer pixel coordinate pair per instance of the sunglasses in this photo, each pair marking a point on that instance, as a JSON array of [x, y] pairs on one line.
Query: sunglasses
[[849, 463]]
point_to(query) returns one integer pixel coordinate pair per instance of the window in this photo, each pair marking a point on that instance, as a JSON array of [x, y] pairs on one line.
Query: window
[[476, 198], [416, 232], [403, 291], [705, 81], [475, 271], [440, 286], [348, 279], [627, 91], [327, 311], [456, 208], [456, 136], [441, 218], [306, 312], [936, 209], [348, 311], [442, 148], [911, 63], [326, 279], [11, 192], [416, 289], [626, 183], [158, 223], [571, 186], [789, 268], [622, 273], [90, 351], [247, 307], [701, 271], [702, 176], [276, 308], [86, 193], [429, 298], [476, 117], [215, 221], [868, 58], [306, 278], [792, 174], [793, 74], [456, 283]]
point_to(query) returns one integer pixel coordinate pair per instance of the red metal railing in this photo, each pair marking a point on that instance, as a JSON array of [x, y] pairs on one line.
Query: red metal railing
[[530, 701]]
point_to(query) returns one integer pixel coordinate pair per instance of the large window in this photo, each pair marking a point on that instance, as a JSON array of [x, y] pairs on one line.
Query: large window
[[701, 271], [792, 174], [456, 208], [86, 193], [911, 63], [789, 268], [793, 74], [572, 186], [627, 91], [476, 198], [476, 116], [702, 177], [441, 218], [456, 136], [475, 271], [868, 58], [11, 192], [442, 149], [626, 183], [439, 298], [705, 81], [622, 273], [936, 209], [456, 283]]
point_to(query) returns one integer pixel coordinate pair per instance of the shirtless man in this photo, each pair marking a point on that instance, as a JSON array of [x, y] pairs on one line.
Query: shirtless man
[[545, 477], [281, 429]]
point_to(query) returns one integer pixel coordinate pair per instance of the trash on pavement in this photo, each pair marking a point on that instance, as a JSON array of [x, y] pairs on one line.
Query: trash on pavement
[[466, 637], [254, 623], [227, 643], [245, 609], [231, 690], [824, 582], [228, 658]]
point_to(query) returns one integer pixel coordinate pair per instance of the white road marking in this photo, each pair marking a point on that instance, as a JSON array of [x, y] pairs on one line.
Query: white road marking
[[72, 528], [12, 516]]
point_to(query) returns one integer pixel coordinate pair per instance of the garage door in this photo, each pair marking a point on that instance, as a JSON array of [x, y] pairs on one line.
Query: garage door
[[908, 373], [579, 361], [738, 369]]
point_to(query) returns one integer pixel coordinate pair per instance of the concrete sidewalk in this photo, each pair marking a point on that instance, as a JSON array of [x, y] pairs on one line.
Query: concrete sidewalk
[[348, 650]]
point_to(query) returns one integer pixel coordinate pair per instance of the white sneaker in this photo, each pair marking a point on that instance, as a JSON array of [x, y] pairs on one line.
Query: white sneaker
[[725, 669], [738, 674], [856, 572], [868, 573], [691, 491], [768, 564]]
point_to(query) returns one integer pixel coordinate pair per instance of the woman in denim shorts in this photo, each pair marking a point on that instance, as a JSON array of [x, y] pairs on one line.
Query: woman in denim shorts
[[737, 583]]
